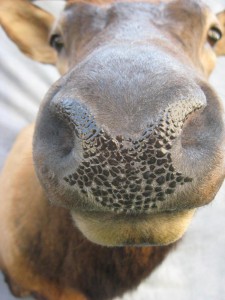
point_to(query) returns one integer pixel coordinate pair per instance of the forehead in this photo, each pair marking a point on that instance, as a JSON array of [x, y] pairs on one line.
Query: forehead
[[192, 12], [107, 2], [192, 7]]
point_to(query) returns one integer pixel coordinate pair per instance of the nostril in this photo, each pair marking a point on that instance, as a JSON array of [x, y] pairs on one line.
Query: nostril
[[77, 117], [66, 139], [193, 130], [59, 137], [176, 115], [202, 128]]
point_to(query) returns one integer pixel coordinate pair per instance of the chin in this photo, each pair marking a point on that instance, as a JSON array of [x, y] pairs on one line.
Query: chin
[[114, 230]]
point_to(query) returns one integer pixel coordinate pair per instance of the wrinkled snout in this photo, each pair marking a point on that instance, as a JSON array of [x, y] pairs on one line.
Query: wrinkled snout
[[129, 131]]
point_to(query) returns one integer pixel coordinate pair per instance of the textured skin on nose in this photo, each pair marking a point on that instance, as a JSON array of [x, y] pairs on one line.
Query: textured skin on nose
[[124, 174]]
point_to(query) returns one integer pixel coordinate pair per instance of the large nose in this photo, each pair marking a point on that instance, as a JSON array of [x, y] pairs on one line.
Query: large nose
[[119, 129], [124, 173]]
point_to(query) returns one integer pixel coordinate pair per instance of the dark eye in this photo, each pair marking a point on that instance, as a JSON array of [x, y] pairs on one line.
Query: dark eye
[[56, 42], [214, 35]]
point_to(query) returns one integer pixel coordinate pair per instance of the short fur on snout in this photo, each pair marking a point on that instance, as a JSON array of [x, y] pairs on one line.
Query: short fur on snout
[[127, 144]]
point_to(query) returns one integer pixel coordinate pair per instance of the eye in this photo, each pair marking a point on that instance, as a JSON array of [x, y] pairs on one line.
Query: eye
[[56, 42], [214, 35]]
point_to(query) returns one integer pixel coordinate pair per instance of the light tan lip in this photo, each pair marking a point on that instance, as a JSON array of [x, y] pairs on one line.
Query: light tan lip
[[119, 230]]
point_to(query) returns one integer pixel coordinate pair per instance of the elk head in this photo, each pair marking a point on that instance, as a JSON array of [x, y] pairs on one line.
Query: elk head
[[131, 137]]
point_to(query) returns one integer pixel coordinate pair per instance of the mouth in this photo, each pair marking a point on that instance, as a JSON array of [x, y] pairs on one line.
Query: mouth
[[113, 230]]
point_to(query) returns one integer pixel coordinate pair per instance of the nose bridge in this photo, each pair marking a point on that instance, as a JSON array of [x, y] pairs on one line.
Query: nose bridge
[[127, 88]]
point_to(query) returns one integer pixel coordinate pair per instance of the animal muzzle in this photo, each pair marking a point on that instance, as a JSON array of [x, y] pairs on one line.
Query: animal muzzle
[[121, 173]]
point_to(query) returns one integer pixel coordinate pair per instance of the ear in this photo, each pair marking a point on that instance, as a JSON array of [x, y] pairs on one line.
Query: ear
[[28, 27], [220, 46]]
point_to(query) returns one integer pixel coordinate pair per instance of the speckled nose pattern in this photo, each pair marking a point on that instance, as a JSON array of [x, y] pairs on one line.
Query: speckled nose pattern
[[123, 174]]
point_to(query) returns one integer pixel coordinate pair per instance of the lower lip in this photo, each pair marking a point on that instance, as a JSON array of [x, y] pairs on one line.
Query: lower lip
[[108, 229]]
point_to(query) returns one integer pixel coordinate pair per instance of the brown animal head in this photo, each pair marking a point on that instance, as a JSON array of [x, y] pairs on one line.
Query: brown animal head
[[131, 138]]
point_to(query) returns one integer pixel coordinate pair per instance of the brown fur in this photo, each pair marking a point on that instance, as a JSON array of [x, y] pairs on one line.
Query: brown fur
[[42, 253], [32, 17], [40, 229]]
